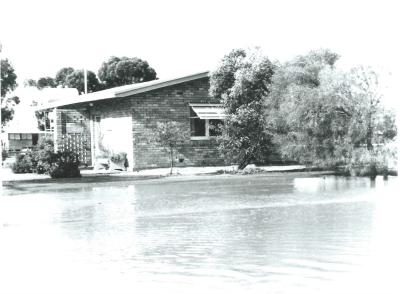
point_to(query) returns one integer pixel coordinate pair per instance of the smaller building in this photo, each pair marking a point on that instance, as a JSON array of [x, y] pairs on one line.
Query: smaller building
[[18, 140], [23, 131]]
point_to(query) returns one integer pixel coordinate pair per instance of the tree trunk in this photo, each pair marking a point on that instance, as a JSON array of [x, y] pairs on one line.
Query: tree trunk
[[244, 163], [171, 152], [369, 133]]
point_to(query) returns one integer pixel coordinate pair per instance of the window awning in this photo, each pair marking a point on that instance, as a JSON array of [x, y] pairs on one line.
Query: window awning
[[208, 111]]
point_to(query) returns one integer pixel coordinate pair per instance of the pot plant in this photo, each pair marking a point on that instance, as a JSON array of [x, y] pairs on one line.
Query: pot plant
[[118, 161]]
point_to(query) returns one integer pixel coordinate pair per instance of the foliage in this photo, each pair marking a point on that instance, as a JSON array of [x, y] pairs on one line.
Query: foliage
[[8, 84], [71, 78], [372, 122], [119, 71], [365, 162], [61, 76], [46, 82], [43, 156], [24, 163], [4, 154], [64, 164], [44, 161], [30, 83], [7, 109], [320, 115], [241, 82], [37, 161], [76, 80], [8, 77], [170, 135], [223, 78], [41, 119], [7, 114], [119, 158]]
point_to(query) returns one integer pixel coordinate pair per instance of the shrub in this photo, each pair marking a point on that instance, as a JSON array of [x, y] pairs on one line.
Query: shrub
[[64, 164], [43, 156], [371, 163], [58, 165], [170, 135], [25, 163], [4, 154], [38, 161], [118, 158]]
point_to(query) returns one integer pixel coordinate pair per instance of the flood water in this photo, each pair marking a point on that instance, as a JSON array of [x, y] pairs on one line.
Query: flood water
[[242, 234]]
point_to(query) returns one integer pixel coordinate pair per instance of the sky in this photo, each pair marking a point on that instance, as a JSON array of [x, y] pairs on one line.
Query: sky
[[181, 37]]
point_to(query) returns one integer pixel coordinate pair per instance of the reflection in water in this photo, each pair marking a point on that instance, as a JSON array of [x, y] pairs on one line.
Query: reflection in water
[[275, 234]]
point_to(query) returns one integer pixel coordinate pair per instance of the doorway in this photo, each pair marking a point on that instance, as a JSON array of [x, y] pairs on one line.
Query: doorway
[[112, 135]]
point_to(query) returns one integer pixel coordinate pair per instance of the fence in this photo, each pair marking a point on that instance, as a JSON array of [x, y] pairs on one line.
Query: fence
[[78, 143]]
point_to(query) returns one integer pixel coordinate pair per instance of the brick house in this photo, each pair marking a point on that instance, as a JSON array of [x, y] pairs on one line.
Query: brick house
[[123, 119]]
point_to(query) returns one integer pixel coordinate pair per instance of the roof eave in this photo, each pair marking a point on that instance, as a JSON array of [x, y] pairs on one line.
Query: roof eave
[[163, 84], [96, 96]]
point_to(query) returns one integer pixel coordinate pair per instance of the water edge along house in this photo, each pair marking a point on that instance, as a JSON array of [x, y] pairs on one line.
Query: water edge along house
[[123, 120]]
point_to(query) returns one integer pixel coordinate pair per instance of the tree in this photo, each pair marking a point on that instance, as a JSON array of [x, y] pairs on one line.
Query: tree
[[8, 84], [241, 82], [76, 80], [61, 76], [8, 77], [7, 109], [30, 83], [322, 116], [169, 135], [119, 71], [377, 124], [46, 82], [309, 110]]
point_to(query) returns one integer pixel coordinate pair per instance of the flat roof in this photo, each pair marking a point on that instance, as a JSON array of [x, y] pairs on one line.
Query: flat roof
[[123, 91]]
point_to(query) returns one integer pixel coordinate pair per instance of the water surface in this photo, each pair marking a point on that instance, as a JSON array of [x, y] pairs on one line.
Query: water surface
[[246, 234]]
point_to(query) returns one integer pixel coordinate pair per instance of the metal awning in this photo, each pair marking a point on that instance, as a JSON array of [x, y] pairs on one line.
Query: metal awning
[[208, 111]]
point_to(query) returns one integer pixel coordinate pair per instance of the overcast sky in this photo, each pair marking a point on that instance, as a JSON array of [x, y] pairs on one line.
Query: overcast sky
[[178, 37]]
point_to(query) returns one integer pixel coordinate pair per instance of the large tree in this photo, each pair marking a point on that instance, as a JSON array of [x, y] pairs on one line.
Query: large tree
[[61, 76], [76, 80], [46, 82], [8, 84], [241, 82], [8, 77], [119, 71], [320, 115], [69, 77]]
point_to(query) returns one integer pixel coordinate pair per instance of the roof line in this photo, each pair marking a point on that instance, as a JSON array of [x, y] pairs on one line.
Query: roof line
[[162, 84], [126, 91]]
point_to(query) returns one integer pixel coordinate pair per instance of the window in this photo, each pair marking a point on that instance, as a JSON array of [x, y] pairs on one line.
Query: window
[[14, 136], [215, 127], [205, 121], [26, 136], [197, 125]]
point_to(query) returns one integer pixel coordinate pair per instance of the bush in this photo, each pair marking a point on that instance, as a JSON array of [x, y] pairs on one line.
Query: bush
[[371, 163], [119, 158], [43, 156], [4, 154], [44, 161], [64, 164], [25, 163], [38, 161]]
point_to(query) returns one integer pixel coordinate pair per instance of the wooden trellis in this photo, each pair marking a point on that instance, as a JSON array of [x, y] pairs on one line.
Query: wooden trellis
[[78, 143]]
